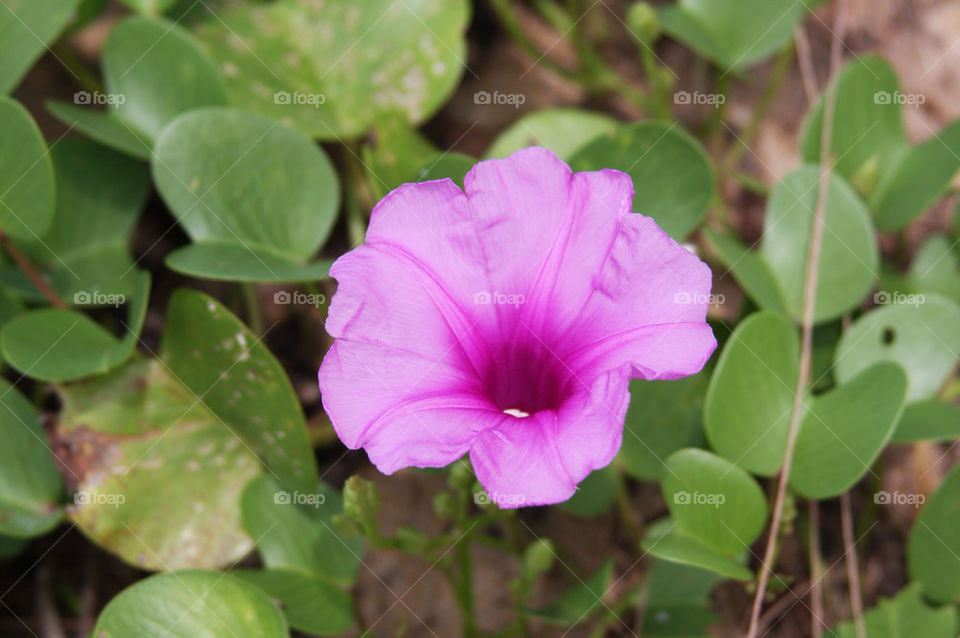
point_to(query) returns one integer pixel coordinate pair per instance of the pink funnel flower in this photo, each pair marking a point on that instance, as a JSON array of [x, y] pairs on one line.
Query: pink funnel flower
[[506, 321]]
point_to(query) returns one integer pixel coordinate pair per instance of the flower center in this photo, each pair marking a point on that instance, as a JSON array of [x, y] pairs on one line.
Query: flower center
[[527, 378]]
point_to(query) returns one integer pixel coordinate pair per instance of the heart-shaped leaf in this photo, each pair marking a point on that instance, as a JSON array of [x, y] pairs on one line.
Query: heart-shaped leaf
[[921, 336], [713, 501], [190, 604], [310, 604], [933, 550], [329, 70], [30, 486], [26, 173], [672, 179], [848, 254], [51, 344], [843, 431], [295, 530], [563, 130], [257, 198], [27, 27], [747, 408]]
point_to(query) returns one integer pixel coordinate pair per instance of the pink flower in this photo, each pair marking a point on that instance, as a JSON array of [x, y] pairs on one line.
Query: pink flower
[[506, 321]]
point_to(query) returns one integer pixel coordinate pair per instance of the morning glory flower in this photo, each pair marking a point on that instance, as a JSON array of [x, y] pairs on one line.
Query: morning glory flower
[[505, 321]]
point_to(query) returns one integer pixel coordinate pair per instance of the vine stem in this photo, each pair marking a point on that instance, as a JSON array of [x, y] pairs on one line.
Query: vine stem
[[816, 570], [32, 274], [853, 569], [809, 302]]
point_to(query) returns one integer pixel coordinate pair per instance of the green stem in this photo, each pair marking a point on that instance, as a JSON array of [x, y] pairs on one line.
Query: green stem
[[254, 312], [515, 30], [87, 80]]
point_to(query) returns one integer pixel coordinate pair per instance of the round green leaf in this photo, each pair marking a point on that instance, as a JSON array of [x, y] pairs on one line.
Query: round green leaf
[[295, 530], [241, 180], [235, 262], [27, 27], [454, 166], [191, 604], [60, 345], [672, 179], [929, 420], [735, 34], [678, 547], [309, 604], [933, 550], [747, 408], [713, 501], [26, 173], [678, 602], [563, 130], [749, 269], [393, 153], [923, 338], [103, 127], [848, 255], [215, 356], [663, 417], [936, 268], [330, 69], [157, 71], [30, 485], [844, 431]]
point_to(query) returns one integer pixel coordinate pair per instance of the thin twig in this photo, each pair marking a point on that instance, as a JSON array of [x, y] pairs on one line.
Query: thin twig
[[809, 303], [32, 274], [816, 570], [853, 569], [805, 60]]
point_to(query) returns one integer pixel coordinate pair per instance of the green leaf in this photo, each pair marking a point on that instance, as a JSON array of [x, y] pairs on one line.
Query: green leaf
[[30, 485], [576, 604], [215, 356], [866, 126], [309, 604], [149, 7], [236, 262], [61, 345], [749, 269], [595, 494], [928, 420], [295, 530], [917, 180], [849, 256], [677, 546], [446, 165], [936, 268], [713, 501], [11, 547], [330, 70], [245, 182], [844, 431], [747, 408], [84, 254], [663, 417], [672, 178], [190, 604], [563, 130], [678, 601], [26, 173], [923, 338], [394, 153], [904, 616], [160, 72], [933, 549], [102, 127], [162, 492], [27, 28], [735, 34]]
